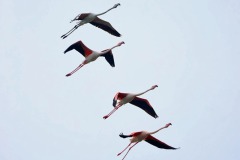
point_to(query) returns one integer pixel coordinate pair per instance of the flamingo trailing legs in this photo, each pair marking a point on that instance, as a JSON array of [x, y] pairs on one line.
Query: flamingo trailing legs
[[123, 98], [94, 20]]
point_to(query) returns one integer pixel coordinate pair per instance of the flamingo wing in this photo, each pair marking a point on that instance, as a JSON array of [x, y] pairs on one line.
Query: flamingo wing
[[157, 143], [80, 47], [118, 96], [82, 16], [106, 26], [145, 105], [109, 57]]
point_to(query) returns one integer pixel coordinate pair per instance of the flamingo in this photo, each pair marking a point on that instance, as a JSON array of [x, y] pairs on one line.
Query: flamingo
[[146, 136], [91, 55], [94, 20], [123, 98]]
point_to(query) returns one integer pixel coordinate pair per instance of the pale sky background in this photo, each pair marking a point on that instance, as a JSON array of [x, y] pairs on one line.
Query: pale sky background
[[190, 49]]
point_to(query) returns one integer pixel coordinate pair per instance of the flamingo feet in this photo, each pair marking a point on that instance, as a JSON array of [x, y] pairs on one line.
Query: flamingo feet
[[105, 117], [63, 36], [69, 74]]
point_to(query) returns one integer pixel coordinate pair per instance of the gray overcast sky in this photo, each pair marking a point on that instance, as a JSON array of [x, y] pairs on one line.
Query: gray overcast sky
[[189, 48]]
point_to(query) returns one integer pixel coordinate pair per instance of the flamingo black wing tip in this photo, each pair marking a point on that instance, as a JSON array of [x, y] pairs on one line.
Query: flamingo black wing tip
[[114, 103], [68, 49], [117, 34]]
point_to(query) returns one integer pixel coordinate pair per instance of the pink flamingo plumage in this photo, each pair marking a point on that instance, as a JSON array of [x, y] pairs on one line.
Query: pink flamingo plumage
[[94, 20], [91, 55], [146, 136], [123, 98]]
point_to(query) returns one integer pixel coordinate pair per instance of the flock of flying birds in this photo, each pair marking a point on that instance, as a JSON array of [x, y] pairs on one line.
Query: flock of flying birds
[[120, 98]]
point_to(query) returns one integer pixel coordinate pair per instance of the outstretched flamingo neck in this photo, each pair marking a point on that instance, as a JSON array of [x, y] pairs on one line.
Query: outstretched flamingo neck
[[153, 87], [139, 94], [107, 50], [166, 126], [104, 12], [156, 130]]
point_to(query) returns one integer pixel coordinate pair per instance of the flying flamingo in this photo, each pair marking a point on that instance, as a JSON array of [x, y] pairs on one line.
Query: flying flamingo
[[123, 98], [146, 136], [94, 20], [91, 55]]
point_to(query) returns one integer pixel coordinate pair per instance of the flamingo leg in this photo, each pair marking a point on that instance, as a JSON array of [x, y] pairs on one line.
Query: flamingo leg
[[75, 70], [109, 114], [69, 32], [129, 150], [124, 149]]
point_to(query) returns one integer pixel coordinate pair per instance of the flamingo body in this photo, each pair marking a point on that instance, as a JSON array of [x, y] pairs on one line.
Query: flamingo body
[[123, 98], [138, 136], [86, 17]]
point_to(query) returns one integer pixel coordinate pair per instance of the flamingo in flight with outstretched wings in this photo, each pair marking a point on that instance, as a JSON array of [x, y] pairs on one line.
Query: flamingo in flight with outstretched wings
[[137, 137], [91, 55], [94, 20], [123, 98]]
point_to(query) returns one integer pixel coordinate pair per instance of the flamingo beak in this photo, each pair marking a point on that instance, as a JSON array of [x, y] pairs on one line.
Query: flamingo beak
[[115, 6], [120, 43]]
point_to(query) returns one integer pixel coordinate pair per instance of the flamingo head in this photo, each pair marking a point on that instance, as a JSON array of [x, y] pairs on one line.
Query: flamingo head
[[153, 87], [167, 125], [116, 5], [120, 43]]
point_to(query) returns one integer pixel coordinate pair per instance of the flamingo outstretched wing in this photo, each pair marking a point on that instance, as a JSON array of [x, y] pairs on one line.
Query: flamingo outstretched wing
[[118, 96], [80, 47], [157, 143], [109, 57], [144, 105], [106, 26]]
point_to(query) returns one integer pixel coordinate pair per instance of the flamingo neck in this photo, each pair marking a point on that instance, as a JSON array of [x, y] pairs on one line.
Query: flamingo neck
[[156, 130], [107, 50], [104, 52], [104, 12], [114, 47], [139, 94]]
